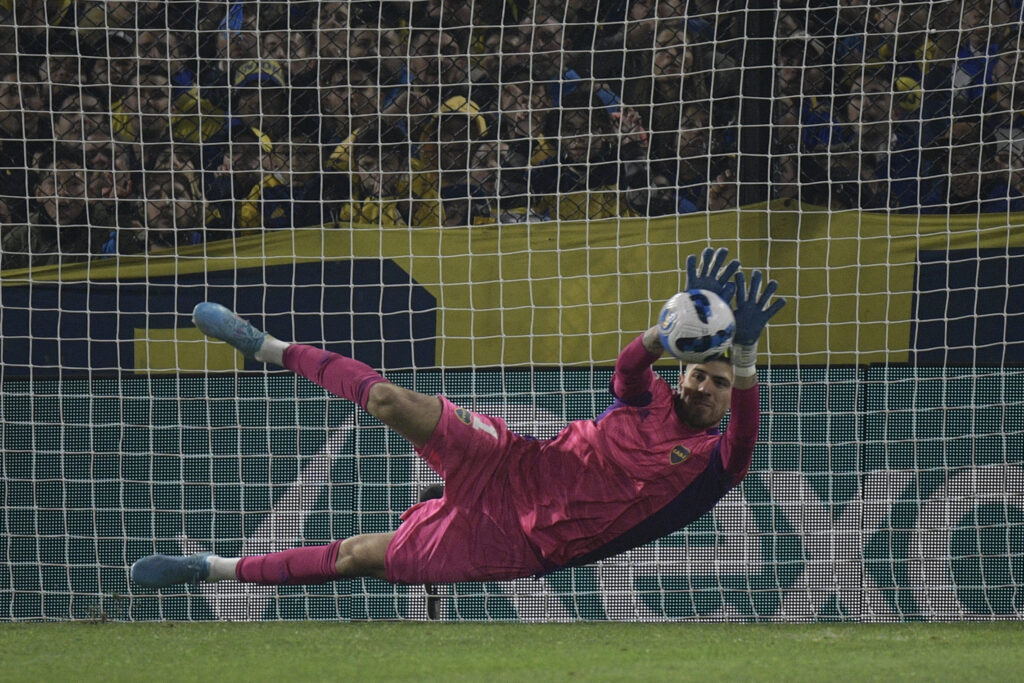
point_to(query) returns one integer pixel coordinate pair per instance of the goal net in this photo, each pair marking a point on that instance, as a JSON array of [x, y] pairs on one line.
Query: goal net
[[488, 201]]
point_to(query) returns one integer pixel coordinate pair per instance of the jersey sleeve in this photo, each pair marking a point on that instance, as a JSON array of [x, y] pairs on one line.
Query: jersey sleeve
[[741, 435], [631, 382]]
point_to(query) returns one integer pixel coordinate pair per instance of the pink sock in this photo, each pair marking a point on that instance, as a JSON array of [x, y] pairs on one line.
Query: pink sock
[[306, 565], [340, 375]]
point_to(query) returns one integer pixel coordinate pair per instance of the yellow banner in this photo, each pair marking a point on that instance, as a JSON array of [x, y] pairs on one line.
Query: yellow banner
[[574, 293]]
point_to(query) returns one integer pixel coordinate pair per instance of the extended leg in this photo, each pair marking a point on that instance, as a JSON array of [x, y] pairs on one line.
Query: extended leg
[[411, 414], [361, 555]]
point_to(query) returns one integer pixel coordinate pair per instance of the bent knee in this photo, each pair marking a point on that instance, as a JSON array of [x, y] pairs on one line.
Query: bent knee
[[386, 401], [411, 414], [363, 555]]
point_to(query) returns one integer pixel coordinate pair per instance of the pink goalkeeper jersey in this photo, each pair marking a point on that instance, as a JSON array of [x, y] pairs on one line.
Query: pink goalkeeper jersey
[[632, 475]]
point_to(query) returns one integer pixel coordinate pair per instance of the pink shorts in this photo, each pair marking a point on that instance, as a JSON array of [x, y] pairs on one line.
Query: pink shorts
[[472, 533]]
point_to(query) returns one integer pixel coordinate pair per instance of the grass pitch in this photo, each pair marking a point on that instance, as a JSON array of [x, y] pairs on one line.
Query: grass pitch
[[221, 652]]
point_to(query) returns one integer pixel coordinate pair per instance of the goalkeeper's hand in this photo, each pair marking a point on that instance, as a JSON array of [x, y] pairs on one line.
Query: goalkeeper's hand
[[752, 310], [713, 276]]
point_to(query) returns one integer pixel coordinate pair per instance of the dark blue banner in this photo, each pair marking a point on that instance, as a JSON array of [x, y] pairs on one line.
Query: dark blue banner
[[54, 328]]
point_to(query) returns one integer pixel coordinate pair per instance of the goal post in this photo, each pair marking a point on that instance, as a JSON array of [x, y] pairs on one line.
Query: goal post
[[489, 205]]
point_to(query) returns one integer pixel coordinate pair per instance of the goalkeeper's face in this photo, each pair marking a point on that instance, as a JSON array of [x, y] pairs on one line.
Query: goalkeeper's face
[[705, 390]]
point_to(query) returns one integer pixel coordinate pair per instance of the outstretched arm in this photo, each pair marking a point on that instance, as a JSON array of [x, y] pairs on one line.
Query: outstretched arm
[[754, 309], [633, 373]]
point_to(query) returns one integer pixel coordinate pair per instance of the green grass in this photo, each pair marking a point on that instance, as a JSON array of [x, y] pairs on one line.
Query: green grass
[[220, 652]]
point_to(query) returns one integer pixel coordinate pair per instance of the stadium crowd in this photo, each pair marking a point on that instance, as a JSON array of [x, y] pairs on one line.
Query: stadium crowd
[[128, 126]]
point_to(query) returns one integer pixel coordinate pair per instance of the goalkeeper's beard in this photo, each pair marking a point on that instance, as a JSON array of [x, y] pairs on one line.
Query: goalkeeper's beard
[[696, 414]]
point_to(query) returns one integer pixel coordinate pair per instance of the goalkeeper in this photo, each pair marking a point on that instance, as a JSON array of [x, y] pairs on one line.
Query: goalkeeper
[[512, 507]]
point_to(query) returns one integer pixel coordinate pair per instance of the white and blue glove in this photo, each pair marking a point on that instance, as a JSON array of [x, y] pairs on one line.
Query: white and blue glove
[[752, 314]]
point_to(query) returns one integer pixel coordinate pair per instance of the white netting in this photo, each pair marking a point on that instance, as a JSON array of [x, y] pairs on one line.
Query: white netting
[[488, 201]]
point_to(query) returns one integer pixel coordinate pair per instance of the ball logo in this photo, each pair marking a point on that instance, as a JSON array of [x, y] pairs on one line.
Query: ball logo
[[679, 455], [668, 319], [464, 416]]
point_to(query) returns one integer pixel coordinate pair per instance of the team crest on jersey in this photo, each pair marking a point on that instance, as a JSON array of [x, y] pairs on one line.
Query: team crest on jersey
[[679, 455], [464, 416]]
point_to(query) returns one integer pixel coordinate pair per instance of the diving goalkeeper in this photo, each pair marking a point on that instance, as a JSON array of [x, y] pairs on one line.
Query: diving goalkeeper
[[513, 507]]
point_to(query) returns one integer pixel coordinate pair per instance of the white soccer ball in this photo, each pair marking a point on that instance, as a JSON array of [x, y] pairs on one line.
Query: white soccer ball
[[695, 325]]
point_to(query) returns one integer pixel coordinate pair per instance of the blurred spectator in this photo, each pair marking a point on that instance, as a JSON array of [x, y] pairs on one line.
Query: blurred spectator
[[979, 44], [381, 182], [345, 108], [802, 103], [98, 17], [1005, 189], [874, 43], [111, 180], [171, 217], [260, 98], [552, 62], [292, 45], [786, 177], [289, 193], [177, 157], [144, 113], [438, 67], [57, 229], [860, 146], [119, 72], [315, 191], [449, 148], [332, 29], [261, 185], [441, 13], [604, 32], [524, 108], [486, 176], [679, 180], [13, 185], [589, 177], [674, 74], [964, 182], [198, 113], [23, 129], [162, 50], [876, 157], [1005, 96], [237, 174], [723, 190], [81, 114], [381, 51], [299, 59], [237, 36], [32, 21], [35, 108], [514, 57], [637, 33], [550, 55], [60, 75]]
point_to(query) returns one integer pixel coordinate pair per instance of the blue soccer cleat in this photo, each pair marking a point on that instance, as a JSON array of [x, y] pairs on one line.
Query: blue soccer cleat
[[216, 321], [161, 571]]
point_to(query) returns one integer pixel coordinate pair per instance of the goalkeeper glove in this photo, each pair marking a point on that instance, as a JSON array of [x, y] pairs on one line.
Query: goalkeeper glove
[[752, 314]]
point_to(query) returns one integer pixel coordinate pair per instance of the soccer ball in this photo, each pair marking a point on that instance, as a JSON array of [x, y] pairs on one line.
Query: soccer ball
[[695, 325]]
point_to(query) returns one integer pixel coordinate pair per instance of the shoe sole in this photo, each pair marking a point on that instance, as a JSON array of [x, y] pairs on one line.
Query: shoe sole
[[221, 323]]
